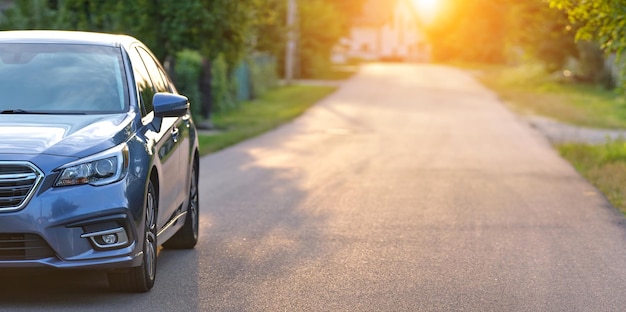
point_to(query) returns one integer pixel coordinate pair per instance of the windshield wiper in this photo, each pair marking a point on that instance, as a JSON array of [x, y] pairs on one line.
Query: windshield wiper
[[18, 111], [21, 111]]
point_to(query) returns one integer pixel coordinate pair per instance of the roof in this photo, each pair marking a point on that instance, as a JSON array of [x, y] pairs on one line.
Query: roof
[[70, 37]]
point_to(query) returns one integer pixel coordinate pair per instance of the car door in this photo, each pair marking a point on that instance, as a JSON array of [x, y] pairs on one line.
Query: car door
[[183, 144], [166, 147]]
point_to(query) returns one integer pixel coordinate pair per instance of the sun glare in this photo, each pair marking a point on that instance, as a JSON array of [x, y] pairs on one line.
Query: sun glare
[[427, 9]]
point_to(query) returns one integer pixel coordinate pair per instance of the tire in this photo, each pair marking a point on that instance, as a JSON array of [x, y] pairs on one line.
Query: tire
[[141, 278], [187, 236]]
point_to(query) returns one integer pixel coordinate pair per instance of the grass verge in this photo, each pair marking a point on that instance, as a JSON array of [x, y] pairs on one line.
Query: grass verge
[[255, 117], [530, 91], [338, 72], [602, 165]]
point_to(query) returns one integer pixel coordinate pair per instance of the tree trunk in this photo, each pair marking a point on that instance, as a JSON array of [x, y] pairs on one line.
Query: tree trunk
[[206, 94]]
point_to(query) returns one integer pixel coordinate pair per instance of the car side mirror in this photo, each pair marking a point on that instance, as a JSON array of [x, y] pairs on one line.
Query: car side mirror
[[170, 105]]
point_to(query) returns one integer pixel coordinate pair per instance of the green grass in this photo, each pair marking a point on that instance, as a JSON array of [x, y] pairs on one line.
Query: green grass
[[339, 72], [603, 165], [531, 91], [255, 117]]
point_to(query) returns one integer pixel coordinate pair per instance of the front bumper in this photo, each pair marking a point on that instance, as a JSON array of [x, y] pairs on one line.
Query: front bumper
[[58, 227]]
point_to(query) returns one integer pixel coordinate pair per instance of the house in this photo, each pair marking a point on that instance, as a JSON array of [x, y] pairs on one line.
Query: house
[[387, 30]]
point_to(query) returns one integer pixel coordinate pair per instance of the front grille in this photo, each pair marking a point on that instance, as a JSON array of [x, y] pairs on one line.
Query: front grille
[[23, 247], [18, 181]]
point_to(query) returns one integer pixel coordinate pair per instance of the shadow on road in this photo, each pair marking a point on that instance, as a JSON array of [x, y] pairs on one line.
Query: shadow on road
[[81, 290], [252, 233], [261, 226]]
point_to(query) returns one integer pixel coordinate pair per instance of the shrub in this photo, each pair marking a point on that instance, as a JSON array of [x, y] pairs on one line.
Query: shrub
[[223, 86], [264, 74], [187, 71]]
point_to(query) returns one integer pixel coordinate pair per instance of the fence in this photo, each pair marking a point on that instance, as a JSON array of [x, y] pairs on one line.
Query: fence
[[254, 76]]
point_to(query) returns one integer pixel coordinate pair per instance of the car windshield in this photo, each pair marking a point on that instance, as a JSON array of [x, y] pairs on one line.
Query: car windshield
[[61, 79]]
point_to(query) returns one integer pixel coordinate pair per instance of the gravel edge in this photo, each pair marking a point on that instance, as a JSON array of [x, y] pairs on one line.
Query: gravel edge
[[559, 133]]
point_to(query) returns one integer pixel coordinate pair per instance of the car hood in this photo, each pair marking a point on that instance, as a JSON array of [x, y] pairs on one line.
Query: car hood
[[62, 135]]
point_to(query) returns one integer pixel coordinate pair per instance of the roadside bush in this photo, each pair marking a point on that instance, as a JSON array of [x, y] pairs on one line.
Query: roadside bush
[[614, 151], [223, 86], [264, 74], [592, 65], [251, 79], [261, 76], [187, 71]]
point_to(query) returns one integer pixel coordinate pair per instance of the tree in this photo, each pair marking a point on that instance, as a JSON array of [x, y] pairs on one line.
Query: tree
[[31, 14], [543, 32], [213, 27], [223, 30], [321, 23], [471, 31], [489, 31], [320, 28], [601, 21]]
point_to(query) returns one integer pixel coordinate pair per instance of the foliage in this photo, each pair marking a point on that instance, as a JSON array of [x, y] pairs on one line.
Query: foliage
[[211, 26], [188, 64], [255, 117], [321, 23], [262, 73], [602, 21], [530, 90], [222, 30], [319, 32], [545, 33], [30, 14], [471, 31], [512, 32], [592, 66], [505, 31], [223, 87], [271, 31], [269, 28], [88, 15]]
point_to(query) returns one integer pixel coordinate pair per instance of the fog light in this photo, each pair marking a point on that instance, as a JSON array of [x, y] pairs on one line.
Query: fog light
[[113, 238], [109, 239]]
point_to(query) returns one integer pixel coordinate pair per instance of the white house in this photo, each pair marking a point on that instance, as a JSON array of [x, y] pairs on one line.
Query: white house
[[388, 30]]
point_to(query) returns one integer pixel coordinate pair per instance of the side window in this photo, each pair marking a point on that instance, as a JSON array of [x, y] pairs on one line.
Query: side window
[[160, 83], [144, 84]]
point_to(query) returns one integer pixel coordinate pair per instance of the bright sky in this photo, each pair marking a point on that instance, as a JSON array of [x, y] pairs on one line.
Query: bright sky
[[427, 9]]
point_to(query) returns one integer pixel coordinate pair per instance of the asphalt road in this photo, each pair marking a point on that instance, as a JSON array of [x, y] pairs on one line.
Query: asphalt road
[[410, 189]]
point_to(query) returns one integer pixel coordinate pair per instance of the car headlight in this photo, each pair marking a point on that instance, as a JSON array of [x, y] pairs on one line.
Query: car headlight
[[99, 169]]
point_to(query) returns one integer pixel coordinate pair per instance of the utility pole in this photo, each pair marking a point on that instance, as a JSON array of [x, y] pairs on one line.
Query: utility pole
[[290, 57]]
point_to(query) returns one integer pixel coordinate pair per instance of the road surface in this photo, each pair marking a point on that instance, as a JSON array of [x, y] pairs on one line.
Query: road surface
[[410, 189]]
